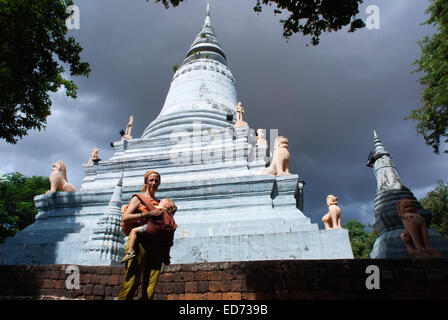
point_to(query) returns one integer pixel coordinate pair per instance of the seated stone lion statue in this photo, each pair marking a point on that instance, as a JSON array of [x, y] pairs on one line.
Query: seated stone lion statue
[[280, 158], [332, 220], [415, 235], [58, 178]]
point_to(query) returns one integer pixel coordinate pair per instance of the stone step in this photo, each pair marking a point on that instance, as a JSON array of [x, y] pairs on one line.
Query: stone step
[[240, 228], [317, 244]]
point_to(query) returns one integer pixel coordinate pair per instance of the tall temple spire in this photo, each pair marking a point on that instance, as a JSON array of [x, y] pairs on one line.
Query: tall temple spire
[[207, 17], [202, 89], [388, 223], [379, 148], [206, 45], [386, 175]]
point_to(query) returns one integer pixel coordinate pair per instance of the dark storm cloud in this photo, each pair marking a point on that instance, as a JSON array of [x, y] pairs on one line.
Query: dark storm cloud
[[327, 99]]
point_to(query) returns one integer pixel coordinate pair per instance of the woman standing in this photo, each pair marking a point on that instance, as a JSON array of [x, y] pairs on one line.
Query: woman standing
[[148, 260]]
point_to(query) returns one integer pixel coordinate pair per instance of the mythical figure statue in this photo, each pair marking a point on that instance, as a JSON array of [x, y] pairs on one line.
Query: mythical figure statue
[[332, 220], [261, 140], [239, 111], [94, 156], [415, 236], [127, 134], [239, 116], [58, 178], [280, 158]]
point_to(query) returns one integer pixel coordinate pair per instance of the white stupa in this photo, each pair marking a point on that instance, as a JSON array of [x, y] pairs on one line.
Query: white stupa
[[228, 210]]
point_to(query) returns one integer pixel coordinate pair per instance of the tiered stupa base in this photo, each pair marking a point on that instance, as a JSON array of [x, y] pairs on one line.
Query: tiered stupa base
[[227, 210]]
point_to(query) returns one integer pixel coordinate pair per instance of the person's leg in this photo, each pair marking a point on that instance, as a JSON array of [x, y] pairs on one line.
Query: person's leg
[[134, 235], [151, 272], [132, 240], [133, 272], [153, 277]]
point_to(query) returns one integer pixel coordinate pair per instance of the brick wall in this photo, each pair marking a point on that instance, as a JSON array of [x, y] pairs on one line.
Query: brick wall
[[291, 279]]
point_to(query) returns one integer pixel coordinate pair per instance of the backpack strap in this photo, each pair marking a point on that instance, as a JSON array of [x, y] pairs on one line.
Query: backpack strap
[[144, 200]]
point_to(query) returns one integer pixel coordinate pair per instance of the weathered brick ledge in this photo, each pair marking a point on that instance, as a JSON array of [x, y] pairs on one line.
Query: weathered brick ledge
[[286, 279]]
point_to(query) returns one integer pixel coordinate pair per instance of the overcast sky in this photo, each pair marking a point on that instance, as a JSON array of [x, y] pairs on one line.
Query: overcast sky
[[326, 100]]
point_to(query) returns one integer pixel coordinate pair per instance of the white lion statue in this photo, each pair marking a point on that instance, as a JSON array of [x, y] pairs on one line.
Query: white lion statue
[[332, 220], [58, 178], [280, 158]]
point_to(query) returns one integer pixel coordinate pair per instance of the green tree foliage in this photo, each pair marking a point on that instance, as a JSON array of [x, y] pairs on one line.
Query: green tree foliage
[[17, 208], [360, 240], [432, 116], [309, 17], [33, 47], [437, 201]]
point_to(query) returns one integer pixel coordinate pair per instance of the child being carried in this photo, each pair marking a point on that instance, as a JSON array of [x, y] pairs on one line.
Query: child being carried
[[158, 231]]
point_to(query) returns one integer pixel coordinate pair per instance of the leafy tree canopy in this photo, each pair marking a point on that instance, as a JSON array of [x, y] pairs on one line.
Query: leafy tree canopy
[[360, 240], [437, 201], [17, 208], [33, 46], [432, 116], [309, 17]]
